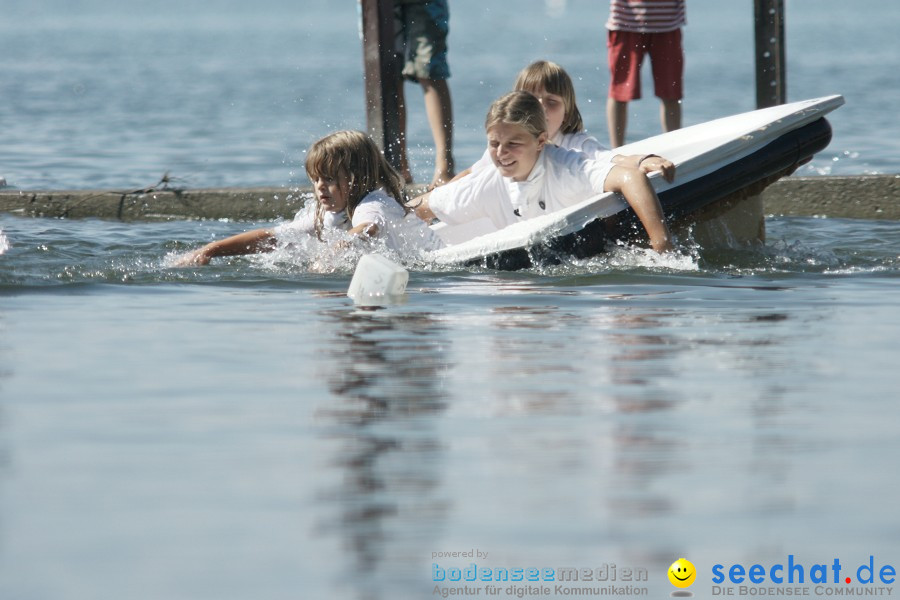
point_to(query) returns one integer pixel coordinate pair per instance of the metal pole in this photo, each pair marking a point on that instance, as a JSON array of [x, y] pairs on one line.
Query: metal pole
[[771, 74], [381, 76]]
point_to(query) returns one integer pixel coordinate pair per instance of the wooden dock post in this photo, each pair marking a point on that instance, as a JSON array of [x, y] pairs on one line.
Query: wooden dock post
[[381, 76], [771, 75]]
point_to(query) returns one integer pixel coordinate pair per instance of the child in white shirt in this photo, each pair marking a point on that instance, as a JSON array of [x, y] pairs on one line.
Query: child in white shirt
[[531, 177], [553, 87], [356, 191]]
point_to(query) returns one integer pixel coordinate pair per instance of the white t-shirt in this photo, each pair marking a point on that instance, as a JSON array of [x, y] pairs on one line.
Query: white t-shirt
[[399, 230], [560, 178], [580, 141]]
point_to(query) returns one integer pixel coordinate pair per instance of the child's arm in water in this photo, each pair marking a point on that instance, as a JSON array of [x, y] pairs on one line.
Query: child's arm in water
[[249, 242], [632, 183], [256, 241], [368, 230]]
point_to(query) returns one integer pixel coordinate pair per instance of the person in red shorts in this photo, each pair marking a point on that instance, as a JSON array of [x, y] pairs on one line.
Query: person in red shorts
[[636, 28]]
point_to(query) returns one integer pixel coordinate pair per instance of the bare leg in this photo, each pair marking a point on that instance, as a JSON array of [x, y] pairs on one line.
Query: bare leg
[[616, 121], [401, 141], [439, 108], [670, 114]]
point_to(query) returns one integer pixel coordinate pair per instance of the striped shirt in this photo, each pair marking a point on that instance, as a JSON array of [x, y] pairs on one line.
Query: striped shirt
[[646, 16]]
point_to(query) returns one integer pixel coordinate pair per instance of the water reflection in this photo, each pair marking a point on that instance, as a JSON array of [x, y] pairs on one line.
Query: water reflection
[[626, 432], [544, 356], [384, 378], [644, 354], [659, 419], [527, 374], [543, 359], [572, 447], [644, 350]]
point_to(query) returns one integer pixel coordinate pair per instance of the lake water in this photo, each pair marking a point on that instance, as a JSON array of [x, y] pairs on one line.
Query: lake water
[[243, 431], [104, 94]]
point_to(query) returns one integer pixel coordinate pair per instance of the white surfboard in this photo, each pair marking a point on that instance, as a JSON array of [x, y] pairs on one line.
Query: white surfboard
[[712, 159]]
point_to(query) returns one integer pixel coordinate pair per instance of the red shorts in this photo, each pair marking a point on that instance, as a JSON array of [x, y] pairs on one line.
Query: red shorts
[[626, 54]]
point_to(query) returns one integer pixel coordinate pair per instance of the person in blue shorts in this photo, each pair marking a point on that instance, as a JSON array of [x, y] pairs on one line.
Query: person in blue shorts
[[421, 28]]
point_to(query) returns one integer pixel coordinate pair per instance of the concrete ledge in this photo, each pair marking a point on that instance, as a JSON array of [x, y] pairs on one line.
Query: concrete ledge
[[852, 197], [256, 204], [855, 197]]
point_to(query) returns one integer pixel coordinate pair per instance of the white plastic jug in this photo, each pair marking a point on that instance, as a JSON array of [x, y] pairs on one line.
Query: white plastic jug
[[377, 281]]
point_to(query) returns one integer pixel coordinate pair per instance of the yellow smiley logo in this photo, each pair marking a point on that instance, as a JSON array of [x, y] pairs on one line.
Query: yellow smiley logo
[[682, 573]]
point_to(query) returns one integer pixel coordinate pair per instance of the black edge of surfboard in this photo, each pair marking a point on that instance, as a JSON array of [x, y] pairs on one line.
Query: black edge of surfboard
[[790, 149]]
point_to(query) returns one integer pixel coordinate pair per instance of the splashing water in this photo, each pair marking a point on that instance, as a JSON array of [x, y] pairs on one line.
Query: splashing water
[[622, 258], [46, 252]]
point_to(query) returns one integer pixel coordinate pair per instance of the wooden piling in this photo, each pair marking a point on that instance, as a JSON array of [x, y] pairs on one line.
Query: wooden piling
[[771, 74], [382, 77]]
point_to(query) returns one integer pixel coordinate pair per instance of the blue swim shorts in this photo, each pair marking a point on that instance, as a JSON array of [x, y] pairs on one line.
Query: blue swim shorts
[[421, 29]]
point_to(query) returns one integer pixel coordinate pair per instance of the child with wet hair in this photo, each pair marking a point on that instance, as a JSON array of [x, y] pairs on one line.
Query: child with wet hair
[[356, 191], [530, 177]]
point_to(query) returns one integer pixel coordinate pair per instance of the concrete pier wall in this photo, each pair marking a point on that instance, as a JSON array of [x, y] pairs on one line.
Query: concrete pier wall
[[852, 197], [855, 197], [252, 204]]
